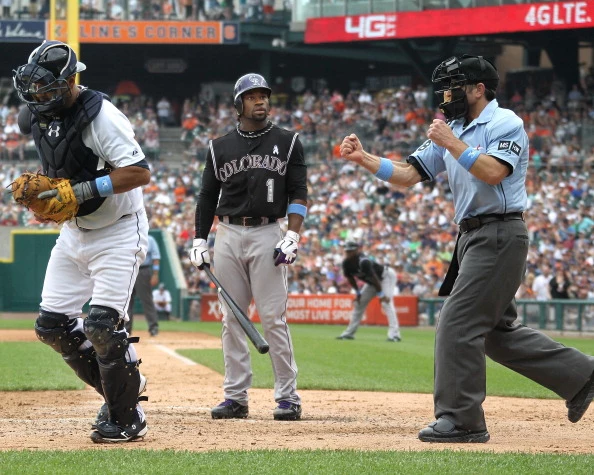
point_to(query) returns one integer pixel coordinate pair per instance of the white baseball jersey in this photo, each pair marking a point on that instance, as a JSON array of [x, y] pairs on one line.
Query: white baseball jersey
[[111, 137]]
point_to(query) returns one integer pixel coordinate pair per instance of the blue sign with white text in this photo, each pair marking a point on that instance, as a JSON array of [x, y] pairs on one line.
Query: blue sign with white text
[[16, 31]]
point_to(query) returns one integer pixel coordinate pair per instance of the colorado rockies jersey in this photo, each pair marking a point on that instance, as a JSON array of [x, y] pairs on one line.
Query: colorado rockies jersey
[[362, 268], [256, 176]]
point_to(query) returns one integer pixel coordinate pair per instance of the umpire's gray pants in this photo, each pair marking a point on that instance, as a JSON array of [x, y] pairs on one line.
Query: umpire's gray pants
[[478, 318], [144, 291]]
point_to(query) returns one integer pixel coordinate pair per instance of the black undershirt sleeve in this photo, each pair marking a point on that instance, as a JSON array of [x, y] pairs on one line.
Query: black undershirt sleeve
[[208, 198], [415, 163]]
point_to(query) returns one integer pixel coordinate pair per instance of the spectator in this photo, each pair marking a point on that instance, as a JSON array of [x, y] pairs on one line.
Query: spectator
[[162, 299]]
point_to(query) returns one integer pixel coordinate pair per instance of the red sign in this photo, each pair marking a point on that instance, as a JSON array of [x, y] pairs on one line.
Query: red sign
[[451, 22], [324, 309]]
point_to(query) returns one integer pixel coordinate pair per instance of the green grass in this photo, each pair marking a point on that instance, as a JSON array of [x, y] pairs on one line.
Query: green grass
[[120, 461], [368, 363], [33, 366]]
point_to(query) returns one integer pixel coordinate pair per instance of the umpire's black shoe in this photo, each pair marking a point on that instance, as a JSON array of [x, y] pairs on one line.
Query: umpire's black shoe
[[229, 409], [577, 407], [287, 411], [443, 430]]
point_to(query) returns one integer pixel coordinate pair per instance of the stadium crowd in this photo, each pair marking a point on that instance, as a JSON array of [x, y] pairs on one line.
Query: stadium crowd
[[409, 229]]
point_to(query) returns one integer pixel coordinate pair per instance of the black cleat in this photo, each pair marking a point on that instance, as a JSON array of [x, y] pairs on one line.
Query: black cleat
[[345, 337], [110, 433], [229, 409], [287, 411]]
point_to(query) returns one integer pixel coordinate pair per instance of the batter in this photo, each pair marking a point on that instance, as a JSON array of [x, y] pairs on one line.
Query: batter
[[253, 176]]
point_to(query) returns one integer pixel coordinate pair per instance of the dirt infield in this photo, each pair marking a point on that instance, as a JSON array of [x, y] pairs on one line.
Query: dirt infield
[[181, 394]]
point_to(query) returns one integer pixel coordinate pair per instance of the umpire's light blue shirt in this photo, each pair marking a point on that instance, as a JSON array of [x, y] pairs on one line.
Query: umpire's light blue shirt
[[497, 132], [152, 253]]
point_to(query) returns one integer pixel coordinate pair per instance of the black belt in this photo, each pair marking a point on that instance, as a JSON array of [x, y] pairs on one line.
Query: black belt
[[469, 224], [246, 221]]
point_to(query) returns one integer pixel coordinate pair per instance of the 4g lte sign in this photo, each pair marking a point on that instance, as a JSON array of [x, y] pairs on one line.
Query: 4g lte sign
[[452, 22], [567, 13], [371, 26]]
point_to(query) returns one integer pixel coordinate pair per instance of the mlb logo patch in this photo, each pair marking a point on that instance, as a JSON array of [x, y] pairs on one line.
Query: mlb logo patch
[[515, 148], [504, 145]]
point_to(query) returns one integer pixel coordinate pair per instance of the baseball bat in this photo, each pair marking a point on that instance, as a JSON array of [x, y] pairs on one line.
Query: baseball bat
[[246, 324]]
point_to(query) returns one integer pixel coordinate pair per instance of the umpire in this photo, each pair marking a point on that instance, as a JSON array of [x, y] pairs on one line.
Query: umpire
[[484, 150], [148, 277]]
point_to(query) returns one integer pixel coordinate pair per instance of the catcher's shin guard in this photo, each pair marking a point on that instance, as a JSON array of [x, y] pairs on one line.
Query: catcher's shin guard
[[65, 335], [120, 379]]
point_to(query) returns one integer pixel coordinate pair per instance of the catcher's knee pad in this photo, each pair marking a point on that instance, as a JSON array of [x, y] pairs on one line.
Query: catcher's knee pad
[[101, 329], [59, 331]]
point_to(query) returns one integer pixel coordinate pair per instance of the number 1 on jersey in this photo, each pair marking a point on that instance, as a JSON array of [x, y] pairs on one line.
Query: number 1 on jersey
[[270, 186]]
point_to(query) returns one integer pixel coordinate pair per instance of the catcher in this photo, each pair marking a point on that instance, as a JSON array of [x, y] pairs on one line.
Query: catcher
[[92, 171]]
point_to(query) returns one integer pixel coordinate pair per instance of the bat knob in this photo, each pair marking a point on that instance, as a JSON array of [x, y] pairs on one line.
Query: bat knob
[[263, 349]]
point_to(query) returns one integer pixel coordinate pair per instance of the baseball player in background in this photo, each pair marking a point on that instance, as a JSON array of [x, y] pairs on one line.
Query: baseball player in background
[[378, 280], [484, 150], [80, 135], [257, 175]]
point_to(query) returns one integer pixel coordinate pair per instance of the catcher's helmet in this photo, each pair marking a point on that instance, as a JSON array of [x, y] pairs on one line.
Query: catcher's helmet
[[455, 73], [351, 246], [246, 83], [42, 82]]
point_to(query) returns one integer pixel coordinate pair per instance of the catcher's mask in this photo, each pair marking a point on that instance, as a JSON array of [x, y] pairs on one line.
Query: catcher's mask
[[246, 83], [42, 82], [453, 74]]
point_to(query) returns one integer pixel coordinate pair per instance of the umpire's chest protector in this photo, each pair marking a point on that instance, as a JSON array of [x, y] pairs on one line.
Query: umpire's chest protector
[[253, 166]]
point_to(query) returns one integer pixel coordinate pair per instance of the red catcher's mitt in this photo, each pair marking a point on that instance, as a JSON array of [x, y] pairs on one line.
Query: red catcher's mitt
[[27, 187]]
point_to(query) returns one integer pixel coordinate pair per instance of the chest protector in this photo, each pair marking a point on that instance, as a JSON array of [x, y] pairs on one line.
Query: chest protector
[[61, 149]]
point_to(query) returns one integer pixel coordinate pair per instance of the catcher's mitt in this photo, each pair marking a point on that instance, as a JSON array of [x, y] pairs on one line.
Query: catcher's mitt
[[27, 187]]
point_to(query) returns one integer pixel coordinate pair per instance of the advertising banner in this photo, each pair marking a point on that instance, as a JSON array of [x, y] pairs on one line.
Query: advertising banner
[[325, 309], [163, 32], [15, 31], [452, 22]]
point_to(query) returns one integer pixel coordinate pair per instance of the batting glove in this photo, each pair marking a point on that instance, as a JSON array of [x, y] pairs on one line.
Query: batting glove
[[285, 251], [199, 255]]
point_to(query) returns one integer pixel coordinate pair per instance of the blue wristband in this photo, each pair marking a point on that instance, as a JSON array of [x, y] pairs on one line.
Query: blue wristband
[[385, 170], [468, 157], [295, 208], [380, 294], [104, 186]]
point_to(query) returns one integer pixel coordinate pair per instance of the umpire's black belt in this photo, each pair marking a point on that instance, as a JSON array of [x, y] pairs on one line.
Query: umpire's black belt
[[246, 221], [475, 222]]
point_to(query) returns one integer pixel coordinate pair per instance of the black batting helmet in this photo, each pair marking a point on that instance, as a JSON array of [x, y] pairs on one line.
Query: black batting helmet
[[42, 82], [245, 83], [351, 246], [455, 73]]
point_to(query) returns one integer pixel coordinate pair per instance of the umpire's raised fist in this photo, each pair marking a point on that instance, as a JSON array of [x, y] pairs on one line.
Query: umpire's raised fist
[[199, 255]]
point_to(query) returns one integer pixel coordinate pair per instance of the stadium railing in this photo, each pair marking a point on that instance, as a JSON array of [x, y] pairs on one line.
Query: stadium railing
[[554, 314]]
